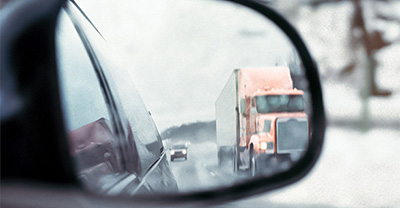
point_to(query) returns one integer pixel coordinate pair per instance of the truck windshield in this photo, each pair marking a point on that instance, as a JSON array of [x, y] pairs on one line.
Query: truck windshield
[[179, 147], [279, 103]]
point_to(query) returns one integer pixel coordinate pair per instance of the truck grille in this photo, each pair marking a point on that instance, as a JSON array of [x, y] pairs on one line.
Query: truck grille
[[292, 134]]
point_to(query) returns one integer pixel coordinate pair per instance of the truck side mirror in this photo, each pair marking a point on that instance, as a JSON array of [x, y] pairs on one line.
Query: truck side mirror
[[243, 107]]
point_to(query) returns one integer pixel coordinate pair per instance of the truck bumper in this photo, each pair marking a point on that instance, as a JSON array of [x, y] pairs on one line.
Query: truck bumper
[[266, 152]]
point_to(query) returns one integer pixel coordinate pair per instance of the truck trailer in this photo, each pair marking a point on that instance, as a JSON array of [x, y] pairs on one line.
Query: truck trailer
[[260, 120]]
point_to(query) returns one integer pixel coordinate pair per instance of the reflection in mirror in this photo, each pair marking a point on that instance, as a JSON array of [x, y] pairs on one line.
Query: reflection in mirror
[[225, 87]]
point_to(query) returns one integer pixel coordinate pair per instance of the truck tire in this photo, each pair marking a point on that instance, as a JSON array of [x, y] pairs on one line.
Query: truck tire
[[252, 162]]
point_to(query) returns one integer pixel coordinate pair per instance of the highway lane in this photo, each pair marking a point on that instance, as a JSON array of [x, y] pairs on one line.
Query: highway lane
[[200, 170]]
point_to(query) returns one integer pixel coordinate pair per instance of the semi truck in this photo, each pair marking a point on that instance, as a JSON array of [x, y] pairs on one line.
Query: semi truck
[[260, 120]]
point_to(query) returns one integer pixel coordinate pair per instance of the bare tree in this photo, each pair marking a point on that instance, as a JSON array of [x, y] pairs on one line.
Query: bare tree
[[370, 42]]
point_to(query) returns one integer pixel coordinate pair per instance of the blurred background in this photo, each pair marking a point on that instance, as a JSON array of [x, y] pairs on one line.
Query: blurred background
[[355, 44]]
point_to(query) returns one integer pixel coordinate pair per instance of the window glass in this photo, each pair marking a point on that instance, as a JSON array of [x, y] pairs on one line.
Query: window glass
[[280, 103], [267, 126], [113, 164], [82, 95], [90, 133]]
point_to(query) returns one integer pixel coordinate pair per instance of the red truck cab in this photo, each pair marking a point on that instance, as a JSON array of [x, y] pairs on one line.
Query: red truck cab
[[270, 121]]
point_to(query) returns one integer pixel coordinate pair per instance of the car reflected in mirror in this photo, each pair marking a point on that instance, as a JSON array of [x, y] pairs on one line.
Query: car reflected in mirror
[[178, 151]]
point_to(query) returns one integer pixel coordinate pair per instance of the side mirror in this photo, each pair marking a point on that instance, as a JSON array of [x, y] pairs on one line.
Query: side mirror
[[193, 73], [181, 56], [243, 107]]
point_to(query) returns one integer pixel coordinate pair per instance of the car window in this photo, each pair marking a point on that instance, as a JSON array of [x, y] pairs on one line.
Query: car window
[[139, 137], [90, 131], [113, 141], [83, 98]]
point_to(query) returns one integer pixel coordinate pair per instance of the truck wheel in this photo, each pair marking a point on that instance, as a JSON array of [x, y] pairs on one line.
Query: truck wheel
[[172, 159], [252, 162]]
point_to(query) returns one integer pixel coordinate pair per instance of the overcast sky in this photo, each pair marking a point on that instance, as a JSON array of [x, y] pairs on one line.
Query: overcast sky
[[180, 53]]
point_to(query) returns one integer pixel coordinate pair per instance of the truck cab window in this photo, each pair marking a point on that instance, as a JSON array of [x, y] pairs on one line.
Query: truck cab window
[[280, 103], [267, 126]]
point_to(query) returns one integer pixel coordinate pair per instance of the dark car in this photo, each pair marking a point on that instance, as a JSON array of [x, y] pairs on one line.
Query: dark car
[[178, 151]]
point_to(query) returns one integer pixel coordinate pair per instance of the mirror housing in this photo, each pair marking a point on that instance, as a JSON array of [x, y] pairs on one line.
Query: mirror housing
[[243, 107]]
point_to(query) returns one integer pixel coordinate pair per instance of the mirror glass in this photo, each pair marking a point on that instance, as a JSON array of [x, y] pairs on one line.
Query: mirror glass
[[223, 85]]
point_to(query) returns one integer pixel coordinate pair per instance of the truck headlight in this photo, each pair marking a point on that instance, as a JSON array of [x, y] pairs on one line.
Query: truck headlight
[[263, 145], [172, 152], [184, 151]]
